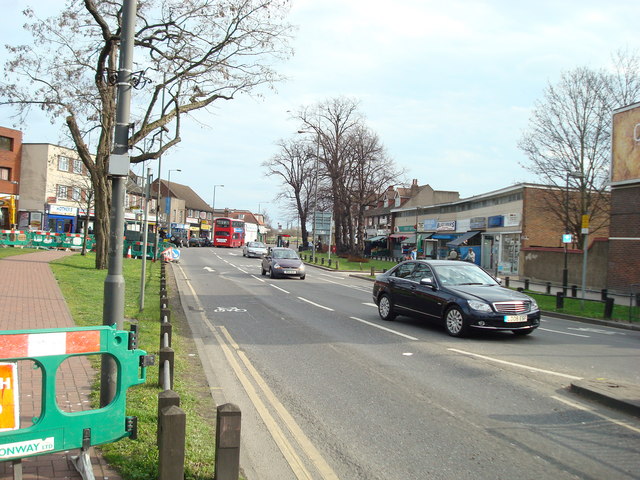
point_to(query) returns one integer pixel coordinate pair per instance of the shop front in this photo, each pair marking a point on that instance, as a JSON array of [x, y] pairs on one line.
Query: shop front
[[61, 219]]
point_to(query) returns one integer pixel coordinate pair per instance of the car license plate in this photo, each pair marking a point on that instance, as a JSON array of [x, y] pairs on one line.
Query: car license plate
[[515, 318], [290, 272]]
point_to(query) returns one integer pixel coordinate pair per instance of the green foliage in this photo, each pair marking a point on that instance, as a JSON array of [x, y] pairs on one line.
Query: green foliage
[[10, 252], [83, 286]]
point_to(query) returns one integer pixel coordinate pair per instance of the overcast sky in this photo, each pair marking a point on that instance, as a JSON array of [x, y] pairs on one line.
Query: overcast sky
[[447, 86]]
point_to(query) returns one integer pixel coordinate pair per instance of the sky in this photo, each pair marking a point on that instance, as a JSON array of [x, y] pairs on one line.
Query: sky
[[447, 86]]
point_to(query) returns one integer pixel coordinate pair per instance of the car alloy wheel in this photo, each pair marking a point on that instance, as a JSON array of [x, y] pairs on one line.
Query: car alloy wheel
[[454, 322], [385, 308]]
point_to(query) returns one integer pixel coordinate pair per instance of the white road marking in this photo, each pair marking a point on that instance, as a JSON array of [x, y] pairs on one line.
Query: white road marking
[[590, 410], [518, 365], [596, 330], [281, 289], [384, 328], [316, 304], [258, 278], [208, 269], [354, 287], [368, 304], [564, 333]]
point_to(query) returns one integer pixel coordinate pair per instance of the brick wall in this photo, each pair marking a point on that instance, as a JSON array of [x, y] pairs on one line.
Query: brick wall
[[623, 269]]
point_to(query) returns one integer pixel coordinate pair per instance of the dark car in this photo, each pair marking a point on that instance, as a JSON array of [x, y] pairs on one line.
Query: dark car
[[459, 294], [283, 262], [195, 242]]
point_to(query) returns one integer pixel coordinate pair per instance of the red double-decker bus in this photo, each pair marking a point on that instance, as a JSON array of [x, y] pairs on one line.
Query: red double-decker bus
[[228, 232]]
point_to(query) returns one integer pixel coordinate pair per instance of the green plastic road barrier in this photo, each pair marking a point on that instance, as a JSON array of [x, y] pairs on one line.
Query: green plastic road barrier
[[72, 241], [14, 237], [55, 430]]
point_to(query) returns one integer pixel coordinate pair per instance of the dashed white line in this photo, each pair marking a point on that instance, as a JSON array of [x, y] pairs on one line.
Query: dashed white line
[[369, 304], [565, 333], [258, 278], [384, 328], [316, 304], [278, 288], [518, 365]]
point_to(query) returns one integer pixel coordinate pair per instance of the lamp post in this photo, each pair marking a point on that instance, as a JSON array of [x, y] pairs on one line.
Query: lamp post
[[169, 196], [566, 238], [213, 204], [315, 200]]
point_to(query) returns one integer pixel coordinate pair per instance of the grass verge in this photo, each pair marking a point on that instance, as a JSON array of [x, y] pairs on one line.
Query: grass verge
[[10, 252], [82, 287]]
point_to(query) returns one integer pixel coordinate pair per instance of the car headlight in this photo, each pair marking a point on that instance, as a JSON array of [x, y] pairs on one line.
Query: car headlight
[[534, 305], [480, 306], [301, 267], [275, 265]]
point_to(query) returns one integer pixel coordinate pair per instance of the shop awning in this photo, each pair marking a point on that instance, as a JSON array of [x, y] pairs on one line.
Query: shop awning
[[462, 238], [376, 239], [400, 235]]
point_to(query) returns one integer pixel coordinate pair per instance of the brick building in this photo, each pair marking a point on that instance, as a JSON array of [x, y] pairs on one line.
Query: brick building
[[10, 161]]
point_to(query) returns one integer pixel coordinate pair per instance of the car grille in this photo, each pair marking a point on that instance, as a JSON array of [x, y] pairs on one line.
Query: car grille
[[512, 307]]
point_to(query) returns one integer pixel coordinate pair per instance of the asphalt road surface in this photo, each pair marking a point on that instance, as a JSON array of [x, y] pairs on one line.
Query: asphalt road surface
[[330, 391]]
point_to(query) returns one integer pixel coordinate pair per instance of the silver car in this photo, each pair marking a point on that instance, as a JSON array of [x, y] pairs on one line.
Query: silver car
[[254, 249]]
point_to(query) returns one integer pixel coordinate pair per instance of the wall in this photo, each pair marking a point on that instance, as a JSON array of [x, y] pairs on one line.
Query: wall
[[623, 269], [545, 264]]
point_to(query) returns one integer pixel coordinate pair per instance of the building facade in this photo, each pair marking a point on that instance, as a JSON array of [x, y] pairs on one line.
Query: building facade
[[10, 178]]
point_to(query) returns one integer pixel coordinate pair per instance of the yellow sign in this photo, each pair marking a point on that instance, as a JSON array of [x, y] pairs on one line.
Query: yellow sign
[[9, 400], [585, 221]]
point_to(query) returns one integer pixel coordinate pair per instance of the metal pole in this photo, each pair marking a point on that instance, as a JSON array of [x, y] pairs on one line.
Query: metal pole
[[585, 252], [143, 274], [565, 271], [159, 193], [169, 212], [315, 200], [113, 311]]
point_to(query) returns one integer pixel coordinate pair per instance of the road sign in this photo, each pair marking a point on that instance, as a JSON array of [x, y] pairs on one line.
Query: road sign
[[567, 238], [171, 254], [9, 398]]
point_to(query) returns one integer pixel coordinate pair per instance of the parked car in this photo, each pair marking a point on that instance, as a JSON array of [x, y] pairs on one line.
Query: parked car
[[195, 242], [283, 262], [254, 249], [459, 294]]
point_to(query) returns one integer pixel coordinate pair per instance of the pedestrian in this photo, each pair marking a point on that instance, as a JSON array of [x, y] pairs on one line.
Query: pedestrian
[[471, 256], [414, 253], [453, 255]]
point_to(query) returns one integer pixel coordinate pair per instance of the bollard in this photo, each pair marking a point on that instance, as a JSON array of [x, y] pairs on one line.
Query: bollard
[[506, 282], [164, 303], [526, 284], [166, 398], [337, 267], [548, 288], [165, 315], [171, 447], [373, 271], [329, 262], [574, 291], [166, 354], [322, 261], [559, 301], [608, 308], [165, 328], [603, 294], [227, 462]]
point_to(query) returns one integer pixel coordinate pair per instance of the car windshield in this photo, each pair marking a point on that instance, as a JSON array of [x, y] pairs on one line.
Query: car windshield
[[462, 274], [256, 244], [288, 254]]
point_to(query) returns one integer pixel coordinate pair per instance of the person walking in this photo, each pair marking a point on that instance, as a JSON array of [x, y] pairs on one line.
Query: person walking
[[471, 256]]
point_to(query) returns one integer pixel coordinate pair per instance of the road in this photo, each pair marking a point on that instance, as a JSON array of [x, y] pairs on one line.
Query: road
[[329, 391]]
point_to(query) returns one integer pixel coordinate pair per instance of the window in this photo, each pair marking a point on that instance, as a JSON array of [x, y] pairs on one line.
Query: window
[[404, 270], [75, 194], [77, 166], [421, 271], [6, 143], [5, 173], [62, 192], [63, 163]]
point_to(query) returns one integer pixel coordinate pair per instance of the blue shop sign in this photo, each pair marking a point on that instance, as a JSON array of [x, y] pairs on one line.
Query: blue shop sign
[[496, 221]]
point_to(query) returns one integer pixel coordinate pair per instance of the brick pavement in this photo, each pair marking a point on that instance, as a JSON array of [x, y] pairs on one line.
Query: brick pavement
[[31, 299]]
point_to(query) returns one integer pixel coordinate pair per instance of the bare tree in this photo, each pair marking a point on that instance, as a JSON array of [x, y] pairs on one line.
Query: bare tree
[[188, 55], [293, 164], [568, 142]]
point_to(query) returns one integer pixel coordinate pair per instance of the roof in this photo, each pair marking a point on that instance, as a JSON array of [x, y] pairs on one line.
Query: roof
[[191, 199]]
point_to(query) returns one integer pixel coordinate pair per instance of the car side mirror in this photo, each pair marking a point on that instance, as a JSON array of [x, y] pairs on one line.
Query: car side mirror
[[499, 280], [428, 282]]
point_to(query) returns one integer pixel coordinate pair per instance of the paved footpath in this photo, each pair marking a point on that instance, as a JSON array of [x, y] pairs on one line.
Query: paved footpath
[[31, 299]]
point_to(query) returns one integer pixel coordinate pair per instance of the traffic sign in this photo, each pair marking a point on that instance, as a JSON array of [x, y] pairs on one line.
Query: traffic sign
[[171, 254], [567, 238]]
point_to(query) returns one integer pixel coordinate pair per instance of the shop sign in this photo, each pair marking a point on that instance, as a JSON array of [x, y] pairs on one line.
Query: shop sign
[[496, 221], [192, 220], [429, 224], [512, 220], [62, 210], [463, 225], [477, 223], [406, 228], [449, 226]]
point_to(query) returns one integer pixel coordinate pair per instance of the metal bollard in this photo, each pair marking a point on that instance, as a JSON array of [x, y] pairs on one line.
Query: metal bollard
[[164, 303], [526, 284], [165, 329], [227, 462], [548, 288], [506, 281], [329, 262], [165, 315], [608, 308], [604, 294], [574, 291], [171, 447], [559, 301], [373, 271], [337, 267], [322, 261]]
